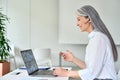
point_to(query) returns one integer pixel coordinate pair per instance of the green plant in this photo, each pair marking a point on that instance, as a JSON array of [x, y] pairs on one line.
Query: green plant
[[4, 42]]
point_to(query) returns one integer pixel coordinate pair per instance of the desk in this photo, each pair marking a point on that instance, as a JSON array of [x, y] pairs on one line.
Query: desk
[[24, 76]]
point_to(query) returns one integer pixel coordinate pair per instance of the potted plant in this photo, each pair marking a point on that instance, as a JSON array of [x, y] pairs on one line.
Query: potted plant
[[4, 46]]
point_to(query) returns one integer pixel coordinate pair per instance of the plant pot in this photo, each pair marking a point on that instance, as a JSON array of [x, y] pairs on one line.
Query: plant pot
[[4, 68]]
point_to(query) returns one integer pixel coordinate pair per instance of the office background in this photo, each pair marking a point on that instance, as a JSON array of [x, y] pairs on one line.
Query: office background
[[35, 24], [67, 19]]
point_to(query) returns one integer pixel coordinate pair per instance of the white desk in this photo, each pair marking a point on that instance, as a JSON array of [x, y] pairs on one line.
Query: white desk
[[24, 76]]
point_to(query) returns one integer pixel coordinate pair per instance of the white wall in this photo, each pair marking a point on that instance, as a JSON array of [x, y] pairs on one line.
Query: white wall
[[35, 24], [67, 19]]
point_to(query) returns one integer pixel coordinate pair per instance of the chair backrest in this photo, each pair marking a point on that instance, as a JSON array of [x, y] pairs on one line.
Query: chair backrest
[[12, 57], [12, 51], [43, 56]]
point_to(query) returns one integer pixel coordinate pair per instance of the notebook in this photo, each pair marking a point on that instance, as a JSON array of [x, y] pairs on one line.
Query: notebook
[[31, 65]]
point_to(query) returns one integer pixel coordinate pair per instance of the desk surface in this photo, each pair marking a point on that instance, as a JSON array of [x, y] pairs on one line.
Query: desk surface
[[23, 75]]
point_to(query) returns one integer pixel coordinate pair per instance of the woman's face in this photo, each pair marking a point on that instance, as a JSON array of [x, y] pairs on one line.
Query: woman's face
[[84, 24]]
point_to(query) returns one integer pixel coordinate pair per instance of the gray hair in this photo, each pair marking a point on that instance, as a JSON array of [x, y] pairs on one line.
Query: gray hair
[[98, 25]]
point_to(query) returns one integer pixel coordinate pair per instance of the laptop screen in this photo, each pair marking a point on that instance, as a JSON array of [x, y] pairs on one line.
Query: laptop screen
[[29, 61]]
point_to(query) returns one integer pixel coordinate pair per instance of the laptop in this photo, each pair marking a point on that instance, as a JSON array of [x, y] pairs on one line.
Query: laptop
[[31, 65]]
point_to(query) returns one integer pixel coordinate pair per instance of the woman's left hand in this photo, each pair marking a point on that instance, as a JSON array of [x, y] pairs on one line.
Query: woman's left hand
[[60, 72]]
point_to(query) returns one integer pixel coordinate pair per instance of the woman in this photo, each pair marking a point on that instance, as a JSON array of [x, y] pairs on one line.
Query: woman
[[101, 52]]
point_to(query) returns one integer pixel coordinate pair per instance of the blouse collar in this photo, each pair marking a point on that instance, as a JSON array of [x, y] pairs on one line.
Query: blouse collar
[[91, 34]]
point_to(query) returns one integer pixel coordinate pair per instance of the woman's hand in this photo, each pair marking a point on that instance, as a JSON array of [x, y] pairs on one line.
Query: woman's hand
[[67, 56], [60, 72], [65, 73]]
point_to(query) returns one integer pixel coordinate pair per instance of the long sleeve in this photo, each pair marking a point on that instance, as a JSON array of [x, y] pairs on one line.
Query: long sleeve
[[96, 57]]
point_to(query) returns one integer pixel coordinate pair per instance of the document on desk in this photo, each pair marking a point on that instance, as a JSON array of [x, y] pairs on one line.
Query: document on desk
[[32, 78], [37, 78], [17, 77]]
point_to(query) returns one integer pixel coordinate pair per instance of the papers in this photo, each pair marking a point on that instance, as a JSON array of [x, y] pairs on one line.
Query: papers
[[38, 78], [19, 74], [31, 78]]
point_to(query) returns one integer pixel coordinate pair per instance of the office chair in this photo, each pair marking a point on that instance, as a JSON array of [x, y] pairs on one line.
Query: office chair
[[12, 56], [43, 57]]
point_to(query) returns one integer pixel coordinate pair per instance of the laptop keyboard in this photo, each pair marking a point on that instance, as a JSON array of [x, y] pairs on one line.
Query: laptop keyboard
[[43, 72]]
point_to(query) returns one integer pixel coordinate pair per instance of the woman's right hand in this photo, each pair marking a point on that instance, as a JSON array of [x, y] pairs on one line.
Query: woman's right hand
[[67, 56]]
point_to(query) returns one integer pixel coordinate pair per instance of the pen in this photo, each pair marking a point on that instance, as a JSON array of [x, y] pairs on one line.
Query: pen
[[17, 73]]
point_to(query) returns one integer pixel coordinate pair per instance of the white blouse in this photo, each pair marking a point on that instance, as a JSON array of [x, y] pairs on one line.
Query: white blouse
[[99, 58]]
